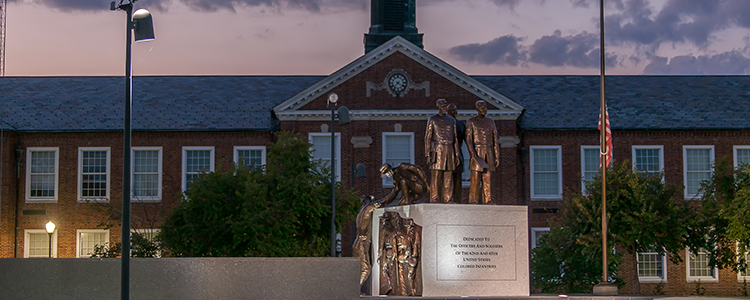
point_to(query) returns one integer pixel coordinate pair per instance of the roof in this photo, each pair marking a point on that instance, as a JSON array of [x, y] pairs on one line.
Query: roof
[[201, 103], [634, 102], [168, 103]]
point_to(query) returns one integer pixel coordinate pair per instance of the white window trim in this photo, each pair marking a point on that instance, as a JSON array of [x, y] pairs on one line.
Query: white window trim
[[78, 239], [184, 161], [559, 173], [696, 278], [385, 145], [337, 149], [734, 153], [26, 233], [648, 279], [661, 156], [583, 164], [241, 148], [132, 173], [80, 174], [28, 175], [152, 232], [684, 167], [534, 232]]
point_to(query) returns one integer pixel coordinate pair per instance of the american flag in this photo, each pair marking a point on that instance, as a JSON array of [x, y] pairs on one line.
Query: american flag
[[608, 136]]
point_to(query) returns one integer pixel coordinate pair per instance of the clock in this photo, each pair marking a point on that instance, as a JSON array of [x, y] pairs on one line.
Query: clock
[[397, 83]]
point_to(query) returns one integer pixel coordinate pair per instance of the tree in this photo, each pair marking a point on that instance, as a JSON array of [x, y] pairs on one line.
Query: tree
[[725, 215], [281, 209], [642, 214]]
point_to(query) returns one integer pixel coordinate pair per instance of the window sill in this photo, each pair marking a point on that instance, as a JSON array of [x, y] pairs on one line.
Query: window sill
[[43, 200], [93, 200], [652, 280], [702, 279], [546, 198]]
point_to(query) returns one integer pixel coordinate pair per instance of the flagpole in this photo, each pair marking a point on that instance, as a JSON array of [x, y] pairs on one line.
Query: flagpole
[[604, 287]]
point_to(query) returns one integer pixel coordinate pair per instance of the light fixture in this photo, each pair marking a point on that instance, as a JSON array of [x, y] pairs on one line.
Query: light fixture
[[50, 227]]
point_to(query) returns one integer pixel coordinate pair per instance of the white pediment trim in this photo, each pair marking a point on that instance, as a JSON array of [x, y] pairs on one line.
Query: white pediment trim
[[388, 115], [398, 44]]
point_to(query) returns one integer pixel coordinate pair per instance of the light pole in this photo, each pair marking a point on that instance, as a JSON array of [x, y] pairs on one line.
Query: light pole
[[143, 26], [343, 114], [50, 227]]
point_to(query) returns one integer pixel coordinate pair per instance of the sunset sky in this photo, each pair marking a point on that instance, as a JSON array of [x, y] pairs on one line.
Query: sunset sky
[[317, 37]]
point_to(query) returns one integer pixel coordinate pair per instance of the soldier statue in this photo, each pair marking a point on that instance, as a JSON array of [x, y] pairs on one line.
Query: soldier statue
[[363, 241], [408, 179], [461, 134], [441, 151], [481, 141]]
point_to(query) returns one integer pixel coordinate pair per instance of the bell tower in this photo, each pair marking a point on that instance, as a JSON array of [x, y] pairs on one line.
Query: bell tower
[[391, 18]]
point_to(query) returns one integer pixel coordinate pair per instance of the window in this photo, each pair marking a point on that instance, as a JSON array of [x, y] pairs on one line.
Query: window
[[321, 147], [398, 147], [147, 167], [698, 268], [42, 174], [744, 275], [649, 159], [86, 239], [741, 155], [697, 165], [196, 160], [250, 156], [536, 235], [651, 267], [546, 172], [93, 174], [36, 243], [590, 161], [141, 249]]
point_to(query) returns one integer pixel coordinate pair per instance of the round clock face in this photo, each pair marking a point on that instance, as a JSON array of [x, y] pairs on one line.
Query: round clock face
[[397, 83]]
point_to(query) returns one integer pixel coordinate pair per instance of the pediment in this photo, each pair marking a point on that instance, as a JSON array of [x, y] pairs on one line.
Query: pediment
[[396, 81]]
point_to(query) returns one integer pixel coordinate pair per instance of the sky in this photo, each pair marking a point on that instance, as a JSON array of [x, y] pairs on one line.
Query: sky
[[317, 37]]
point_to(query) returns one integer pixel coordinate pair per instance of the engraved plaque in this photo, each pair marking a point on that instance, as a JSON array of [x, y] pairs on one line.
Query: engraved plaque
[[476, 253]]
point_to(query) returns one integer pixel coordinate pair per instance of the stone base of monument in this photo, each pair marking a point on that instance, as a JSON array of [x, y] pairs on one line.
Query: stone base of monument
[[531, 297], [467, 250]]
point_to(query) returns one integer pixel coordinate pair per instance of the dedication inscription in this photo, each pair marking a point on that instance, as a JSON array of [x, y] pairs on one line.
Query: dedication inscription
[[476, 253]]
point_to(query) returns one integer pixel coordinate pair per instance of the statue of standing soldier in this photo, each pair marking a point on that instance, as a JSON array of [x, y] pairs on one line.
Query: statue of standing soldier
[[461, 135], [442, 151], [481, 141]]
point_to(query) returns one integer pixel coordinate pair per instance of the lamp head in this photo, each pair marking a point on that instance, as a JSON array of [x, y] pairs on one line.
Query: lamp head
[[333, 98], [50, 227], [144, 25], [344, 117]]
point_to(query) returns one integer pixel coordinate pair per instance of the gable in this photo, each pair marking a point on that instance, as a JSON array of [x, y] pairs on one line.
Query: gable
[[363, 88]]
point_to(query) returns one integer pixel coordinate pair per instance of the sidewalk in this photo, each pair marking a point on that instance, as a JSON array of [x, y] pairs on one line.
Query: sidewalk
[[554, 297]]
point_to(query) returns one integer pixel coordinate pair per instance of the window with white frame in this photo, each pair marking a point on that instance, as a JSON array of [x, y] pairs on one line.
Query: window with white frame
[[149, 236], [698, 268], [87, 239], [42, 174], [196, 160], [741, 155], [36, 243], [546, 172], [649, 159], [93, 173], [147, 173], [321, 149], [652, 267], [250, 156], [466, 174], [536, 235], [697, 162], [590, 156], [745, 274], [398, 147]]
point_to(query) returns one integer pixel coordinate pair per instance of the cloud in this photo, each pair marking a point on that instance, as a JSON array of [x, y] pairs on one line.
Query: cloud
[[580, 51], [504, 50], [731, 62], [316, 6], [509, 3]]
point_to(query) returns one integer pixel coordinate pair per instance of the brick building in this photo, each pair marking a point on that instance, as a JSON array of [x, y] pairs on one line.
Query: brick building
[[61, 140]]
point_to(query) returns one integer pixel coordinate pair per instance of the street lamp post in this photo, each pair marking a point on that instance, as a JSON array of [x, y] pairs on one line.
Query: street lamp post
[[343, 114], [142, 24], [50, 227]]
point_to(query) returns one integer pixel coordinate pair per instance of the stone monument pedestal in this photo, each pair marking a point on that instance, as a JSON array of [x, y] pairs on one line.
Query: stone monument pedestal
[[467, 250]]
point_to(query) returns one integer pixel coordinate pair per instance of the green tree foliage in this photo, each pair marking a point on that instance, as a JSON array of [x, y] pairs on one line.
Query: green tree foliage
[[281, 209], [642, 214], [725, 215]]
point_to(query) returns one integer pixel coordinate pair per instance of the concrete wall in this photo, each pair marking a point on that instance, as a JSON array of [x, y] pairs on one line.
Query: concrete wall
[[182, 278]]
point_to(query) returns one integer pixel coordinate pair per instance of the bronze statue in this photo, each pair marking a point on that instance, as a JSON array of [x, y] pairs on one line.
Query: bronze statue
[[408, 179], [363, 241], [481, 141], [398, 255], [461, 135], [441, 151]]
